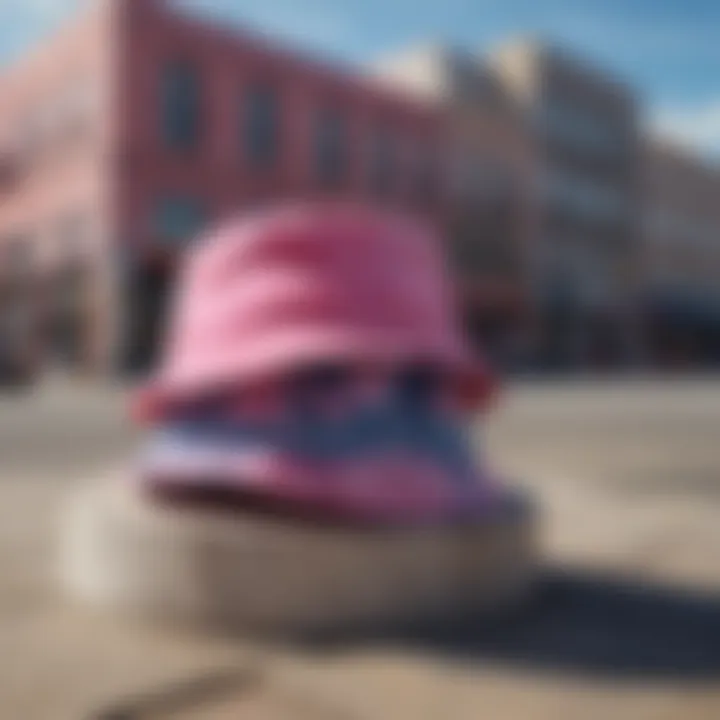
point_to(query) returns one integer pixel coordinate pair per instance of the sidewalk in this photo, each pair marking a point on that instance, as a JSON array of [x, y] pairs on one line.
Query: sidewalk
[[630, 492]]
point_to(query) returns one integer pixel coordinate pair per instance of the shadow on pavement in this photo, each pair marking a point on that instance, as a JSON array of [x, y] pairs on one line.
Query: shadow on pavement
[[585, 624]]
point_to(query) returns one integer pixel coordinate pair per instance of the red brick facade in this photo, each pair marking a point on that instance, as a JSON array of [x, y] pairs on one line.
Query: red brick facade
[[112, 170]]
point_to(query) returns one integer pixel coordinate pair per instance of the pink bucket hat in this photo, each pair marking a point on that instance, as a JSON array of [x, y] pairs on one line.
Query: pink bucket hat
[[263, 296]]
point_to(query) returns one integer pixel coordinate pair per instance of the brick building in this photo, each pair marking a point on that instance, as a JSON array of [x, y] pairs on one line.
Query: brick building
[[138, 124], [55, 195]]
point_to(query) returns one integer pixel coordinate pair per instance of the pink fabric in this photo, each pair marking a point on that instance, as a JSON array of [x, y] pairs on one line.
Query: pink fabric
[[260, 299], [312, 283], [402, 487]]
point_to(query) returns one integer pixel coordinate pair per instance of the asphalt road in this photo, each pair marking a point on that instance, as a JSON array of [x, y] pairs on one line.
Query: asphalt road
[[627, 625]]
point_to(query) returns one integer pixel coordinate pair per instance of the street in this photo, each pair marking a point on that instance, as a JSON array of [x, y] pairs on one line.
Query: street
[[627, 625]]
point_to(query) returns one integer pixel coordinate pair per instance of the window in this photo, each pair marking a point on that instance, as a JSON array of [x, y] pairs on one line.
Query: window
[[583, 196], [583, 128], [330, 148], [178, 219], [181, 107], [261, 127], [382, 163]]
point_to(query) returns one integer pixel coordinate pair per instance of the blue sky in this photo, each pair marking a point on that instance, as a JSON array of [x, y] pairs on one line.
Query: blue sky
[[669, 49]]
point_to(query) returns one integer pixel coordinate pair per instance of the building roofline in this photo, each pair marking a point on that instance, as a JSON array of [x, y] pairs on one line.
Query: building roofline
[[262, 41], [547, 49], [678, 151]]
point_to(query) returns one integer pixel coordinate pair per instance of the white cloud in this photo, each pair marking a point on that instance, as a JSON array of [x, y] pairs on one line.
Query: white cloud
[[697, 126]]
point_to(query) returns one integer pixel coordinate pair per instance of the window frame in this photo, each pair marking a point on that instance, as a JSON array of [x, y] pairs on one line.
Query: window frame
[[189, 205], [383, 174], [181, 105], [330, 146], [261, 125]]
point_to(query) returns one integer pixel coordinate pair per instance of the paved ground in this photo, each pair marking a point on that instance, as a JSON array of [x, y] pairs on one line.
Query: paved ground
[[628, 624]]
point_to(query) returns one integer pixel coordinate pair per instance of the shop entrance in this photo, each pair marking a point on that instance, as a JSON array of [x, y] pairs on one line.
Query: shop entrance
[[17, 350], [148, 295], [67, 315]]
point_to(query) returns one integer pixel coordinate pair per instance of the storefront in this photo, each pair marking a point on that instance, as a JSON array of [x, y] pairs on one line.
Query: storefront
[[20, 350], [683, 330], [145, 293], [66, 314]]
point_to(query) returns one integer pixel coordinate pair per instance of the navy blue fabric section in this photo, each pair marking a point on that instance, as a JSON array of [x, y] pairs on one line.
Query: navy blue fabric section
[[401, 423]]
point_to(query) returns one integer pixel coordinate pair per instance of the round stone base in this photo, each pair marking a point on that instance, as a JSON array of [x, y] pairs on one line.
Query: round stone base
[[242, 572]]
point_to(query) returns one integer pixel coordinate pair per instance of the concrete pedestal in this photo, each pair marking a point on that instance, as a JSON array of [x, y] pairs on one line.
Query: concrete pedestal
[[240, 572]]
